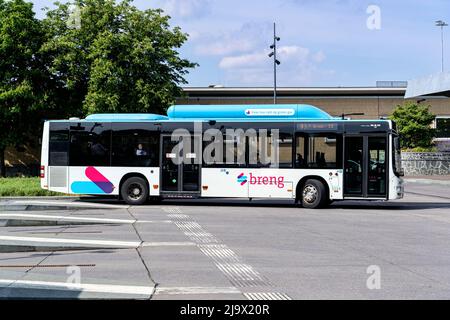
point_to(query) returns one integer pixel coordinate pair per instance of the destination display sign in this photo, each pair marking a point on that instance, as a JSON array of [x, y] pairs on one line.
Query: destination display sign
[[319, 126]]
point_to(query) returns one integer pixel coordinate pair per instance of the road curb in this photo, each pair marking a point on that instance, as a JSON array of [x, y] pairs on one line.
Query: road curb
[[428, 181]]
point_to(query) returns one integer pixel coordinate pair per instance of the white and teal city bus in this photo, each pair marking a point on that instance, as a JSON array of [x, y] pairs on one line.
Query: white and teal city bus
[[221, 151]]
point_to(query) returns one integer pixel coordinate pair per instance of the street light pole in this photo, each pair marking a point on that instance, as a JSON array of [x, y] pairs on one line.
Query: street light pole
[[275, 62], [442, 24]]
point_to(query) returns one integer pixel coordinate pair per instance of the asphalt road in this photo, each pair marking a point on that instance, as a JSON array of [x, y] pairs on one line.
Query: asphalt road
[[222, 249]]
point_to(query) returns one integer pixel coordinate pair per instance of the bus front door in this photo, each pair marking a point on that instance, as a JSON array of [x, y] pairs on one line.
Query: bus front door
[[365, 166], [180, 171]]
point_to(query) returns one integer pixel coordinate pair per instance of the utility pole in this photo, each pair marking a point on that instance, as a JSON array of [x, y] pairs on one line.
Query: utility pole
[[442, 24], [275, 62]]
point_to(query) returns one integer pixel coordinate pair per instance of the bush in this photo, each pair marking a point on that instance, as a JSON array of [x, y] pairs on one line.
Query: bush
[[414, 125]]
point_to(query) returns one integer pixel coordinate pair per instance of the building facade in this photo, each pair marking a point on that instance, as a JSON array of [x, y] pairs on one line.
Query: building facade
[[374, 102]]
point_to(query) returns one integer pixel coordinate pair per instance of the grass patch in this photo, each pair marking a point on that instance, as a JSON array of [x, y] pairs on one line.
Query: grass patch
[[17, 187]]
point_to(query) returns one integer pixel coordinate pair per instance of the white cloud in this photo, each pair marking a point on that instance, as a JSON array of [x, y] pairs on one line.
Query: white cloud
[[243, 61], [245, 39], [186, 8], [226, 46], [299, 66], [319, 56]]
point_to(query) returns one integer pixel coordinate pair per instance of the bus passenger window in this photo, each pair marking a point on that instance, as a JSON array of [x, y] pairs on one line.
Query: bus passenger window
[[59, 144], [134, 147], [284, 151], [90, 144], [300, 159], [322, 152]]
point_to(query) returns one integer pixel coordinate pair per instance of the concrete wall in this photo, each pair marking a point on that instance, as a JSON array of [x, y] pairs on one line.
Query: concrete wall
[[426, 163]]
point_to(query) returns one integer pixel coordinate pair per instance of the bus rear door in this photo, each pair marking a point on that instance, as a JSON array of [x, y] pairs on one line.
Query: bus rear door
[[180, 168]]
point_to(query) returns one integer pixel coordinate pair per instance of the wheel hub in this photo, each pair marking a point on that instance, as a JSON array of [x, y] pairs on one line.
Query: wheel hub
[[310, 193], [134, 191]]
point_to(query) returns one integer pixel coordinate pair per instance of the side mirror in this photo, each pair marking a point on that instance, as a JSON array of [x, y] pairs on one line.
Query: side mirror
[[402, 172]]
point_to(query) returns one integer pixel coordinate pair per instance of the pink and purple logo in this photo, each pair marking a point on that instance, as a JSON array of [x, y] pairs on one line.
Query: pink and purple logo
[[242, 179], [99, 183]]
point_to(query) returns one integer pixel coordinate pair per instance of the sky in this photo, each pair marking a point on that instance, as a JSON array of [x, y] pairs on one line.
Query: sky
[[323, 42]]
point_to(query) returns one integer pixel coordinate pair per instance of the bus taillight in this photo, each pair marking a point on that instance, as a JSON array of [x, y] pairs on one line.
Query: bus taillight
[[42, 174]]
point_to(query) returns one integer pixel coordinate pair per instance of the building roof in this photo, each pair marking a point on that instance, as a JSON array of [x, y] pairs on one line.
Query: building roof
[[293, 91], [435, 84]]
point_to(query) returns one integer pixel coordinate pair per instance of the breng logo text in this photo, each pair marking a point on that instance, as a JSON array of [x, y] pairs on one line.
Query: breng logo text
[[261, 180]]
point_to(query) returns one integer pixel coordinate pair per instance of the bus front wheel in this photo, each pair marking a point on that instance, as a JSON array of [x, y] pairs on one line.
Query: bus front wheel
[[134, 191], [313, 194]]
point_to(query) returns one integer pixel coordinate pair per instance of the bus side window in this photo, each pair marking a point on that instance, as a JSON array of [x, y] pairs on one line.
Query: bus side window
[[90, 144], [134, 147], [300, 157], [322, 151], [284, 143], [59, 144]]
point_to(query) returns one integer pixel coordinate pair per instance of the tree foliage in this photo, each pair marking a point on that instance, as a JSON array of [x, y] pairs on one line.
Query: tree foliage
[[23, 83], [113, 57], [104, 56], [414, 124]]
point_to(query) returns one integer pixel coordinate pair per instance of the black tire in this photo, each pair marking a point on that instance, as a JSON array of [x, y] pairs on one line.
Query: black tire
[[134, 191], [313, 194]]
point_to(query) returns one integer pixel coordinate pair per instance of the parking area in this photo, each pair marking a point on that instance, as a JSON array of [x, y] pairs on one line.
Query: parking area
[[228, 249]]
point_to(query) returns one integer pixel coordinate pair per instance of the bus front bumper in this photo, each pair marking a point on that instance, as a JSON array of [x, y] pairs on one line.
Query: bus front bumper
[[397, 188]]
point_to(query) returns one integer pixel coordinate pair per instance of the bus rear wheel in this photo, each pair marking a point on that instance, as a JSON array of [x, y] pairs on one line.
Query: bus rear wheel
[[134, 191], [313, 194]]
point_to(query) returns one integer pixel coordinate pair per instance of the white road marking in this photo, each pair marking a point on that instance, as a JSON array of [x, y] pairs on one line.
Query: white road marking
[[178, 216], [219, 252], [154, 221], [168, 244], [241, 274], [115, 289], [266, 296], [173, 210], [84, 287], [81, 219], [196, 290], [228, 262], [42, 241], [80, 242], [195, 232]]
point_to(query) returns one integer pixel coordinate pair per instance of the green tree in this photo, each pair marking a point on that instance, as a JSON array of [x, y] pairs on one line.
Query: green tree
[[113, 57], [23, 92], [414, 124]]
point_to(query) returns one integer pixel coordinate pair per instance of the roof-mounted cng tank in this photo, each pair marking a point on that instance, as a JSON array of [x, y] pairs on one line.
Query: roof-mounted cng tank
[[264, 111]]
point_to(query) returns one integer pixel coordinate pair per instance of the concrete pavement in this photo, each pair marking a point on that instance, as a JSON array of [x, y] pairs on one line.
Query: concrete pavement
[[228, 249]]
